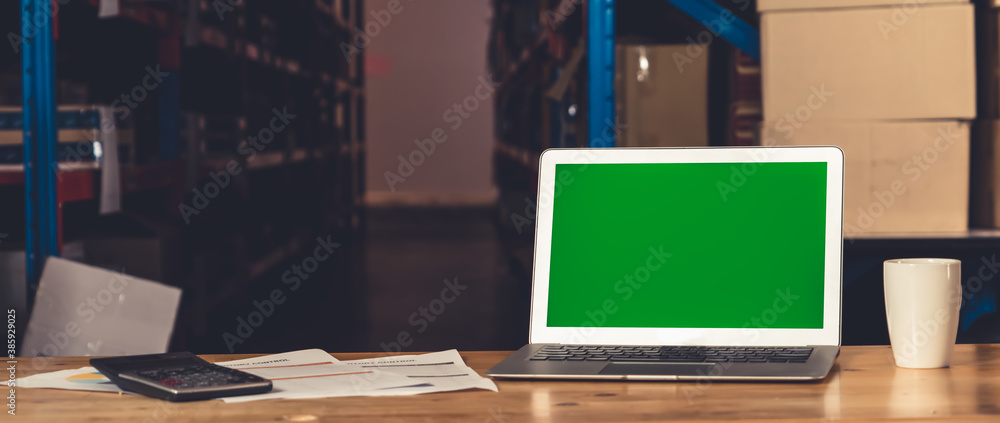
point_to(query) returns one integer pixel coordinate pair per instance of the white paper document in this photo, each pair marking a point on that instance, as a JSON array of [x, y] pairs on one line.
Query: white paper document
[[82, 379], [441, 371], [315, 374]]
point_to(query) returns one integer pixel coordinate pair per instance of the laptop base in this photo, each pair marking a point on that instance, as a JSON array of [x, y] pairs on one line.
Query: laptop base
[[518, 366]]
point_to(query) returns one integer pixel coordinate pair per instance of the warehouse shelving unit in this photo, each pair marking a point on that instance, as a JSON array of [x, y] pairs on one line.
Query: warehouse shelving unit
[[37, 70], [229, 70], [48, 187], [601, 72], [601, 55]]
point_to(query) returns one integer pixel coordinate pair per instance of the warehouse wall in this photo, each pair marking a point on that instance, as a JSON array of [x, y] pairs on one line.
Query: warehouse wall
[[427, 80]]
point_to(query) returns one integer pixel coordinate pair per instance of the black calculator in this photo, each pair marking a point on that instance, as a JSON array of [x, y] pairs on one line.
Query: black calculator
[[178, 376]]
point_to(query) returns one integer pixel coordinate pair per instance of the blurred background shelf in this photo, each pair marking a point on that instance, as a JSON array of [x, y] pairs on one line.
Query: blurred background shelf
[[197, 90]]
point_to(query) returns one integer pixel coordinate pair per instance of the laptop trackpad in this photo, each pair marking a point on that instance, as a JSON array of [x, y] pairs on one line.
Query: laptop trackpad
[[679, 369]]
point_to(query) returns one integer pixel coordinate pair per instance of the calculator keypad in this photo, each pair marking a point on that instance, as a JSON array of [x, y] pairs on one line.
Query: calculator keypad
[[198, 376]]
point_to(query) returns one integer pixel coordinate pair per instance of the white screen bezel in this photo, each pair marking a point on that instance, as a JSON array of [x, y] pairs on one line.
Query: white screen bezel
[[829, 334]]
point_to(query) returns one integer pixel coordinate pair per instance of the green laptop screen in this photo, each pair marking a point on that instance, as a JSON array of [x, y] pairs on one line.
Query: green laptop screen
[[688, 245]]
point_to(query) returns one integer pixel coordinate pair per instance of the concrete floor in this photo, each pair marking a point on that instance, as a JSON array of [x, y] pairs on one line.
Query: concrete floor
[[437, 279]]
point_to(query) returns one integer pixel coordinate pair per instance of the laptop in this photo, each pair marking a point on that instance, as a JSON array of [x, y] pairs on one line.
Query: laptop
[[685, 264]]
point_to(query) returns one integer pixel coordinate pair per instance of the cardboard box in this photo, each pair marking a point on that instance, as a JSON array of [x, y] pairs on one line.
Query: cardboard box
[[662, 100], [869, 64], [985, 201], [773, 5], [898, 176]]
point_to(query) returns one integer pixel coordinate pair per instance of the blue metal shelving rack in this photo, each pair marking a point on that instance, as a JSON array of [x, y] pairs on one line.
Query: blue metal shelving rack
[[601, 55], [38, 80], [601, 72], [732, 29]]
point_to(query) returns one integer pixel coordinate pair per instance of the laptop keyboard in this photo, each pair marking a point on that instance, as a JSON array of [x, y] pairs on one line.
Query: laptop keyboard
[[673, 354]]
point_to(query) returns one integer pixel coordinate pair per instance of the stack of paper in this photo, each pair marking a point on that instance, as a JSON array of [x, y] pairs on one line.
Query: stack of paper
[[316, 374], [439, 372]]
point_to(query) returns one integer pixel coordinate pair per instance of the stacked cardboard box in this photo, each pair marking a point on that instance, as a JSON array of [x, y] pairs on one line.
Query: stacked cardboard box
[[662, 95], [891, 82]]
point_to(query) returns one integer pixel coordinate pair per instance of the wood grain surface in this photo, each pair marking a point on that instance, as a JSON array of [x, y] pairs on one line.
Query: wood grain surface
[[865, 385]]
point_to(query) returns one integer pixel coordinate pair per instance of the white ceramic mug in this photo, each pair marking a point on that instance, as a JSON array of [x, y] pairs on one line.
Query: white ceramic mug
[[922, 301]]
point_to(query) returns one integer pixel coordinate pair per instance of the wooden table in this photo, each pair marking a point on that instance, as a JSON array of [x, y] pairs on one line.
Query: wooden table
[[864, 385]]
